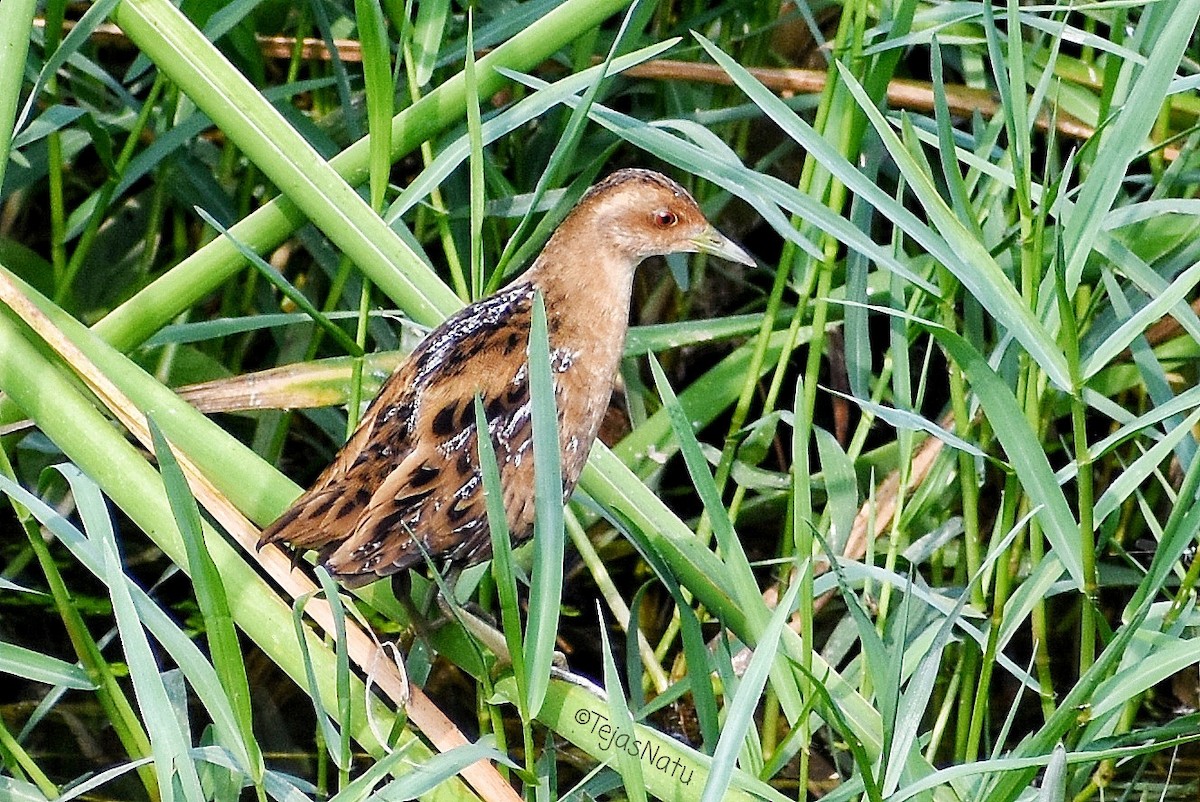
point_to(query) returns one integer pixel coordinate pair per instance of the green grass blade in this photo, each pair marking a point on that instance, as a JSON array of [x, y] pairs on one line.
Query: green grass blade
[[22, 662], [223, 643], [503, 571], [475, 162], [70, 45], [695, 651], [292, 294], [328, 728], [1025, 452], [1146, 465], [169, 740], [728, 544], [427, 35], [342, 677], [380, 92], [628, 760], [430, 774], [841, 486], [740, 710], [14, 45], [545, 593], [1124, 139], [1104, 353], [911, 421]]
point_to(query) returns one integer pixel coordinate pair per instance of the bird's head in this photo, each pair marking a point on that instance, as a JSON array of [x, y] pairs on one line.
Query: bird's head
[[644, 213]]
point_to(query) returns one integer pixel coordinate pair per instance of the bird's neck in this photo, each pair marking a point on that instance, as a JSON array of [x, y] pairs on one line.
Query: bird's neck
[[587, 286]]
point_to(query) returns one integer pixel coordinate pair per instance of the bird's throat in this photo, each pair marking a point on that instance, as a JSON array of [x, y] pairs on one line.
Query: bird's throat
[[588, 308]]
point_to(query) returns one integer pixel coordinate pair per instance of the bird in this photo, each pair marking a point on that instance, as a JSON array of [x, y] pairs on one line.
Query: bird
[[407, 484]]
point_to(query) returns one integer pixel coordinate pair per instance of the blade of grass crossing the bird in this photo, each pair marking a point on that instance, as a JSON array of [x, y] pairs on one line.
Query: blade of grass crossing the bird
[[503, 573], [504, 576], [545, 592]]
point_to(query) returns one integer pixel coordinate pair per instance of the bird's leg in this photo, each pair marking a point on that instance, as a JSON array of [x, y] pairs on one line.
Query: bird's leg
[[441, 592], [468, 615], [418, 614], [478, 623], [483, 631], [483, 628]]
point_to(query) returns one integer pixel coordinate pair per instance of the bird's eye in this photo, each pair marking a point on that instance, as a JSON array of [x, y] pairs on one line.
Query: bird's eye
[[665, 218]]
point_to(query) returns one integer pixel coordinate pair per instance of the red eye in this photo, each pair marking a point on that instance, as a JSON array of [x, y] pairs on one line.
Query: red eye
[[664, 218]]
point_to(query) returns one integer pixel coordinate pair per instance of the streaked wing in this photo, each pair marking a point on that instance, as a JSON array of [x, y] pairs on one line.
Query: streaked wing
[[435, 496], [410, 472], [328, 512]]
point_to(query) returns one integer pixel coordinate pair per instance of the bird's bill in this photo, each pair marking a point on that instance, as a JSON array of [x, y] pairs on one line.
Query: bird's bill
[[713, 242]]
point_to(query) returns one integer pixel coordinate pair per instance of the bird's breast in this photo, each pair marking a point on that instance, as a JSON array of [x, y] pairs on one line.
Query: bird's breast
[[584, 371]]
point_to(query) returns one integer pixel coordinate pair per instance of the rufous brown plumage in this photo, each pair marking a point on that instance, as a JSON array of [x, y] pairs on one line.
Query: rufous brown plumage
[[411, 470]]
